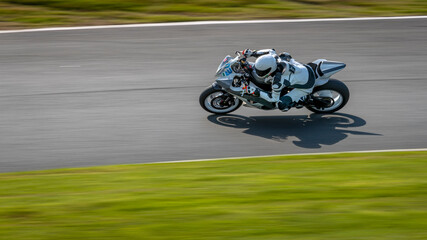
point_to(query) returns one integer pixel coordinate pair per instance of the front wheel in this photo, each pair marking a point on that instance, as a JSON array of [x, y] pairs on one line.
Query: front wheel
[[218, 101], [329, 97]]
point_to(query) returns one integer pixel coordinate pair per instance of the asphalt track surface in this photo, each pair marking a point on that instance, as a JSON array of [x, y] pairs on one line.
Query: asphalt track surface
[[130, 95]]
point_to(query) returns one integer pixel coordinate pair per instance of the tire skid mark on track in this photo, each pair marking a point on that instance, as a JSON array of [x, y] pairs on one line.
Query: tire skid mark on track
[[102, 91], [177, 87]]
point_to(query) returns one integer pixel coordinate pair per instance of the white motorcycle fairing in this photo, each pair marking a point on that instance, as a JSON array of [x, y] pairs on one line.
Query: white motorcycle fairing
[[235, 84]]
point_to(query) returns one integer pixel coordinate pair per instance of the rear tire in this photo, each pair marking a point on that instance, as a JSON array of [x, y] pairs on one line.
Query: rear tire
[[337, 90], [212, 101]]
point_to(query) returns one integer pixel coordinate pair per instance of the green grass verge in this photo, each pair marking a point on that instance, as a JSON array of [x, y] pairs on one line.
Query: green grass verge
[[44, 13], [339, 196]]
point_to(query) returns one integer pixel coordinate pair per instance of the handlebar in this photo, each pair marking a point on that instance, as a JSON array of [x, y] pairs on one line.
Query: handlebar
[[241, 55], [243, 63]]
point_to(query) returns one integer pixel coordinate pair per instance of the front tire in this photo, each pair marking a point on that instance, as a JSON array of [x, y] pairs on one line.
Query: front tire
[[336, 91], [218, 101]]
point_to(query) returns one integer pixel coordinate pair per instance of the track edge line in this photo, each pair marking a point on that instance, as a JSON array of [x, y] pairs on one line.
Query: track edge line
[[195, 23], [290, 155]]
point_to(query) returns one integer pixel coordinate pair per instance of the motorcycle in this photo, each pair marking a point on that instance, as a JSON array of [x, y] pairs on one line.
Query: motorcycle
[[225, 94]]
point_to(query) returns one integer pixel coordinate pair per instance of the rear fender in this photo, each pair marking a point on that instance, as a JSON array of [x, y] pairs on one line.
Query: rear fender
[[329, 68], [326, 70]]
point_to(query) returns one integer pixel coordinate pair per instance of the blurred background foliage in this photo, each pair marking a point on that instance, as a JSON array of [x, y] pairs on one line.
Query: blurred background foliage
[[44, 13]]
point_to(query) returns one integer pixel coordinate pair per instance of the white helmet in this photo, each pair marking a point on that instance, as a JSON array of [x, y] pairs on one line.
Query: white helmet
[[265, 65]]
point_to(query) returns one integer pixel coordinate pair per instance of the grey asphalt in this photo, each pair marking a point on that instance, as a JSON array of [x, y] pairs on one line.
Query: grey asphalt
[[115, 96]]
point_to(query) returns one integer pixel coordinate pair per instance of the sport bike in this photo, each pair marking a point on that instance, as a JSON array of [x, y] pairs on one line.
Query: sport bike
[[225, 94]]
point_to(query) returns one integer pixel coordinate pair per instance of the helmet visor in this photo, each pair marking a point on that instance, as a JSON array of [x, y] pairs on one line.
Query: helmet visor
[[262, 73]]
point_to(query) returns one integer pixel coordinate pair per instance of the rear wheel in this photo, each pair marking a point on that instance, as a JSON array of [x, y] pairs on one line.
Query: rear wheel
[[330, 97], [218, 101]]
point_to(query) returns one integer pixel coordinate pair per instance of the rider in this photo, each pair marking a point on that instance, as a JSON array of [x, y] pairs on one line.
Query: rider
[[280, 71]]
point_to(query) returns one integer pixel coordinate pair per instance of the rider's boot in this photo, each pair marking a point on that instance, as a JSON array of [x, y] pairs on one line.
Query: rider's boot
[[300, 103], [285, 103]]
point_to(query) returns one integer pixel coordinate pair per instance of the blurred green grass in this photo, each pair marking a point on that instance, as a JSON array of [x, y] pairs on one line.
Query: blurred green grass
[[45, 13], [339, 196]]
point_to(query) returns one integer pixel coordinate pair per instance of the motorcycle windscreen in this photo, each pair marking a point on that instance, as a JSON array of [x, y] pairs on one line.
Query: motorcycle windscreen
[[222, 65]]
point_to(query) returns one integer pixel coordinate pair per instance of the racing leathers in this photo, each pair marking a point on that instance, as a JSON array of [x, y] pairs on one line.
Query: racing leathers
[[289, 73]]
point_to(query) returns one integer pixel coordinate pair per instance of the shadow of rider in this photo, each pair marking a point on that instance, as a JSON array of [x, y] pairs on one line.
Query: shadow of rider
[[312, 131]]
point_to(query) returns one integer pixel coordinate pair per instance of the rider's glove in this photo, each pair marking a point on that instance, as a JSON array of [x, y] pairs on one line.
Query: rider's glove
[[248, 52]]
